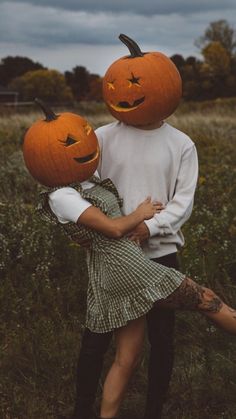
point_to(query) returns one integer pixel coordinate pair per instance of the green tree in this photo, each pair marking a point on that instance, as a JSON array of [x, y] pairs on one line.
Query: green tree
[[12, 67], [217, 58], [84, 85], [178, 60], [49, 85], [219, 31], [95, 88], [78, 80]]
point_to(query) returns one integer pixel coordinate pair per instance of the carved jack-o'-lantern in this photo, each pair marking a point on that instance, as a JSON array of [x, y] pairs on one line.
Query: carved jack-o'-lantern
[[141, 88], [60, 149]]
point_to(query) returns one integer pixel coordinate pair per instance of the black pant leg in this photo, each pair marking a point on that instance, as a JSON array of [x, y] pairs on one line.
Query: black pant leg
[[160, 324], [90, 362]]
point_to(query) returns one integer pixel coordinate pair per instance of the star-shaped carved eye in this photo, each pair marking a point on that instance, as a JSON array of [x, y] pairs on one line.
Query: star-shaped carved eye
[[69, 141], [134, 81], [110, 85]]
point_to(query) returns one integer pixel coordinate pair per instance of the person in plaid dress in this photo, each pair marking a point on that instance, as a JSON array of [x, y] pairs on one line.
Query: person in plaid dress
[[124, 285]]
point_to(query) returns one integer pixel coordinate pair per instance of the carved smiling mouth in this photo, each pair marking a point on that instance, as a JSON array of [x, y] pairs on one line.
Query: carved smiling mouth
[[126, 106], [87, 158]]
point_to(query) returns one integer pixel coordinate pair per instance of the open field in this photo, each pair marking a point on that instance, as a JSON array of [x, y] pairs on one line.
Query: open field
[[43, 283]]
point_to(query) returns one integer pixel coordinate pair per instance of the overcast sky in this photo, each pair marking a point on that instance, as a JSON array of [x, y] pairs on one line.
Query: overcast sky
[[64, 33]]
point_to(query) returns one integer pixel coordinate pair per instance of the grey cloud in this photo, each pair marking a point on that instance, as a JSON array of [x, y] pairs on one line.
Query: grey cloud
[[39, 26], [149, 7], [64, 38]]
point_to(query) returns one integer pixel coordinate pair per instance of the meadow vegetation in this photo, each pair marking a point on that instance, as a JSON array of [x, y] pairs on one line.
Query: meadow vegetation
[[43, 283]]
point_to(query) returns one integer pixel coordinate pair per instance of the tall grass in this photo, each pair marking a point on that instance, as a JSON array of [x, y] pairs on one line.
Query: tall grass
[[43, 285]]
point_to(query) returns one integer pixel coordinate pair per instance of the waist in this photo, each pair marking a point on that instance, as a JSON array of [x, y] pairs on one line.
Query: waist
[[158, 246]]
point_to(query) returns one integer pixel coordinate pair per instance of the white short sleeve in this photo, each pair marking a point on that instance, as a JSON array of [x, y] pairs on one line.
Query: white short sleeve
[[67, 204]]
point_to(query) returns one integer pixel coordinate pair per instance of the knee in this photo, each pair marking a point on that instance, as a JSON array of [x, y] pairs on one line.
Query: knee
[[128, 362]]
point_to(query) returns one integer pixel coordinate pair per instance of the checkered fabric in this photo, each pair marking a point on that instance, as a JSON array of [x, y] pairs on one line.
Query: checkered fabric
[[123, 283]]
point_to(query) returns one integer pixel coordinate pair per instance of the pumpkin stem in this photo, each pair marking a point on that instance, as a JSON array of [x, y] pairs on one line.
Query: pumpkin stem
[[50, 115], [133, 47]]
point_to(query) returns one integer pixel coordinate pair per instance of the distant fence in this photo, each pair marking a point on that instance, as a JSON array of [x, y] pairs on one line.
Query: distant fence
[[7, 95], [16, 104], [83, 107]]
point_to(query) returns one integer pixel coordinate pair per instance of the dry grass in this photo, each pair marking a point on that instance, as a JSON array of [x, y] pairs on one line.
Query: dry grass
[[43, 286]]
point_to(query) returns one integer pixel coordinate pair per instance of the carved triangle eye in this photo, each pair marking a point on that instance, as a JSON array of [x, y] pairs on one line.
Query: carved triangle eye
[[69, 141]]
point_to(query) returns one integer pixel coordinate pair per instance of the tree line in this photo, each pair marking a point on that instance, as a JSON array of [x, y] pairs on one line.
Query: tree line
[[211, 77]]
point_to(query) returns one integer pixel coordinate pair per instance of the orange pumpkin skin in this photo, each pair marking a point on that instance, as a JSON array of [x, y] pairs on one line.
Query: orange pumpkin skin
[[61, 151], [142, 89]]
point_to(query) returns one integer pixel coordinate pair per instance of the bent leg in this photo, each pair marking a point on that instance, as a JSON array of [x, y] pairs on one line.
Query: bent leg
[[90, 362], [129, 343], [191, 296]]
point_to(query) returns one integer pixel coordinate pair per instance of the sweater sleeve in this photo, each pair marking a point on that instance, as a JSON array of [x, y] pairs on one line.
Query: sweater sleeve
[[179, 208]]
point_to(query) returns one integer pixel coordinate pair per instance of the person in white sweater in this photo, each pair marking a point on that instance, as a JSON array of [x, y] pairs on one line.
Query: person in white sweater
[[145, 156], [161, 162]]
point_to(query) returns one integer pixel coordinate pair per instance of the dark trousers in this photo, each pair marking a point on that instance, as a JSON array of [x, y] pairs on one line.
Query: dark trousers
[[160, 325], [94, 346]]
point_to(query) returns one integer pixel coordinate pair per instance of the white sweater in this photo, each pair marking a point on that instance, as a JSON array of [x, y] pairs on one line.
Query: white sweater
[[161, 163]]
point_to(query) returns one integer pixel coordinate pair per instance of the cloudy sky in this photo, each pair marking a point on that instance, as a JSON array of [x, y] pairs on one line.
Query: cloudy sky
[[64, 33]]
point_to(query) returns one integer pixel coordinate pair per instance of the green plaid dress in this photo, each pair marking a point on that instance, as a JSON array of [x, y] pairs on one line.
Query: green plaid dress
[[123, 283]]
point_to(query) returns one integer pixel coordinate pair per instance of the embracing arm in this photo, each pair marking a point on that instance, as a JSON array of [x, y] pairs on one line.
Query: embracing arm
[[117, 227], [68, 205], [179, 208]]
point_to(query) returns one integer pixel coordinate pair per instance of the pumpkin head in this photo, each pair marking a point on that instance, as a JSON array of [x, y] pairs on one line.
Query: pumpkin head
[[143, 87], [60, 149]]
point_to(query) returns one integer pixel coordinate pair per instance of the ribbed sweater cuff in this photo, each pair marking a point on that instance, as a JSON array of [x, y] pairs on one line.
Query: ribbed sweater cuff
[[152, 227]]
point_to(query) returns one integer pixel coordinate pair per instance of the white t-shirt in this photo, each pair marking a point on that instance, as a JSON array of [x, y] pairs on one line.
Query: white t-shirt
[[67, 203], [161, 163]]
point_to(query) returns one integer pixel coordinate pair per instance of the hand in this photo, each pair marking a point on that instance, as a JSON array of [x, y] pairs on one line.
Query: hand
[[148, 209], [140, 234]]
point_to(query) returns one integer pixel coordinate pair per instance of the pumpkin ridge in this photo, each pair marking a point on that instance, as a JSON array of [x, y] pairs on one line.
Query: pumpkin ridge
[[50, 154], [67, 158]]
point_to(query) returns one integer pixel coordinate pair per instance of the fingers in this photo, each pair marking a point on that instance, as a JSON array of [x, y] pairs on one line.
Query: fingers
[[147, 200], [156, 203], [159, 207], [135, 239]]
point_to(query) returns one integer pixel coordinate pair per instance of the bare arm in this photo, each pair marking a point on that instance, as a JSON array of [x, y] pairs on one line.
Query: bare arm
[[117, 227], [141, 233]]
